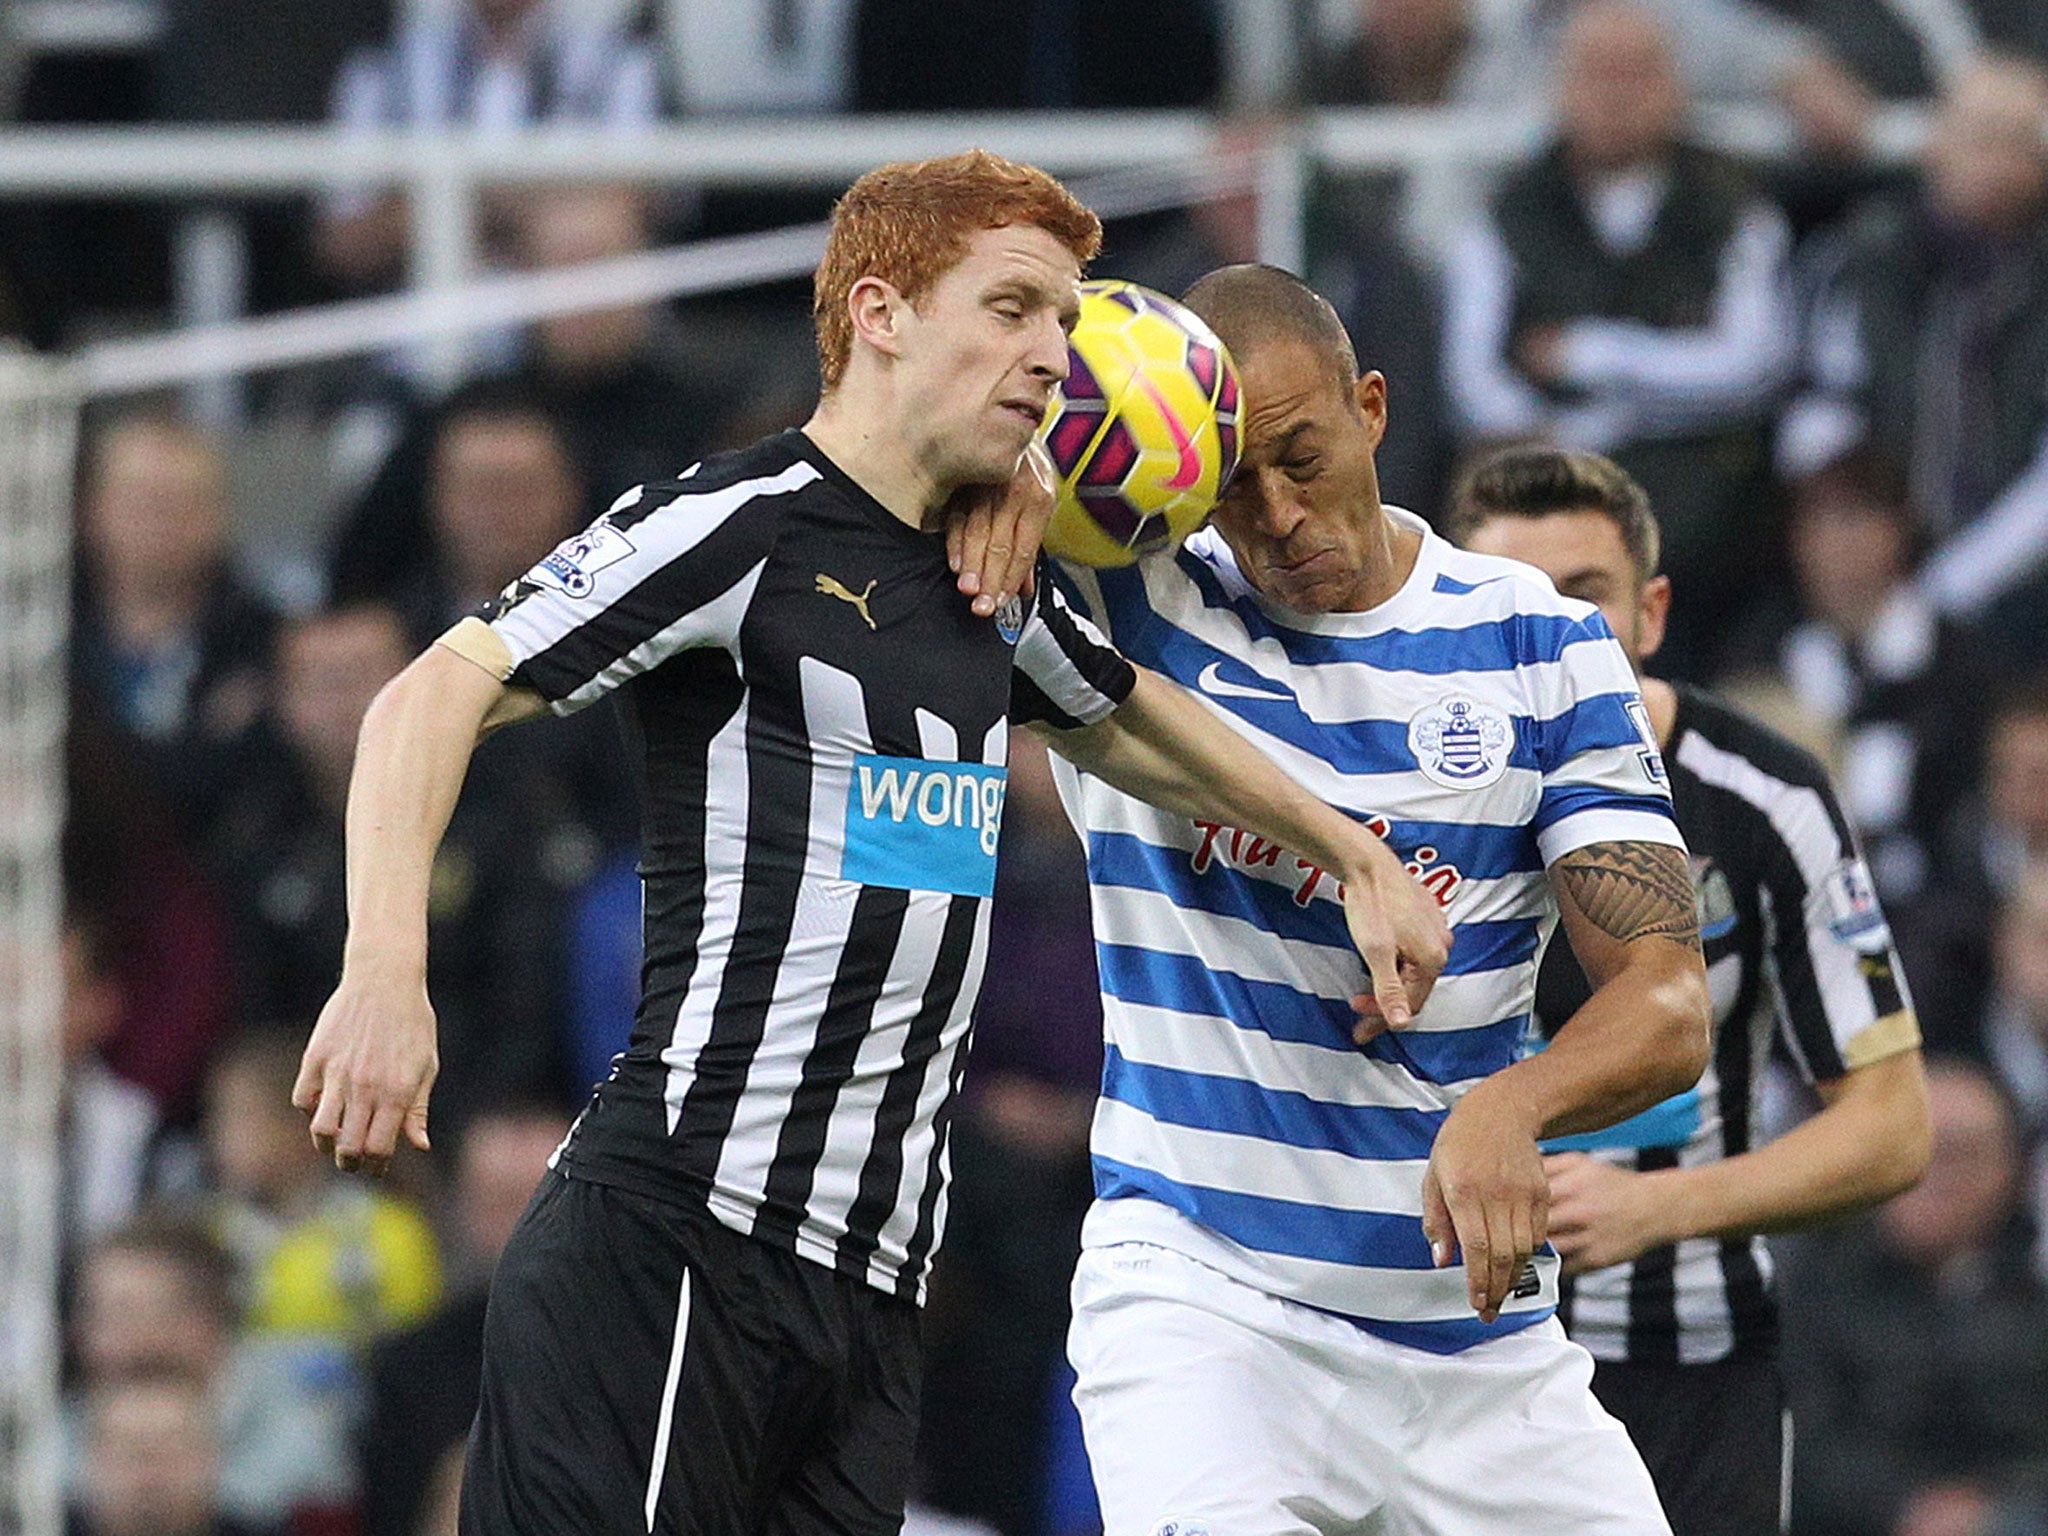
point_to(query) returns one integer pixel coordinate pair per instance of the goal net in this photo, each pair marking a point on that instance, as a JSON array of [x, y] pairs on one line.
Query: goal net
[[38, 416]]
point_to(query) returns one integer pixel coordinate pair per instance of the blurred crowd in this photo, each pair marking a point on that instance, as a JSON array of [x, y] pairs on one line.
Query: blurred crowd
[[1830, 371]]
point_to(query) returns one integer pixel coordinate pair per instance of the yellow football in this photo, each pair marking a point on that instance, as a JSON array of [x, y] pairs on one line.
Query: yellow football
[[1143, 434]]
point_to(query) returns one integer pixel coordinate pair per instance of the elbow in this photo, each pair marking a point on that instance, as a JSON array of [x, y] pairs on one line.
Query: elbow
[[409, 684], [384, 704], [422, 693], [1902, 1153], [1686, 1040], [1903, 1161]]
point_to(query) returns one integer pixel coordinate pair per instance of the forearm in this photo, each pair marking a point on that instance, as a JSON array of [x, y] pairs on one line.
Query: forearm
[[1638, 1040], [1163, 746], [411, 757], [1869, 1143]]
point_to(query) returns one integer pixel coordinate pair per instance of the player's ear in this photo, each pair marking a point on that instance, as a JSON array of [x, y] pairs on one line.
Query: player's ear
[[1653, 612], [877, 308], [1369, 395]]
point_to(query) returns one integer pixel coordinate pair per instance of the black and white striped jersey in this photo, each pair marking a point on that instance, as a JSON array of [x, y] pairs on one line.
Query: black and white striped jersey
[[824, 724], [1797, 952]]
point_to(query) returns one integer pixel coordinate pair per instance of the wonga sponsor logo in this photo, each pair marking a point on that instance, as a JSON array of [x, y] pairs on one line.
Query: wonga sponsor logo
[[917, 825]]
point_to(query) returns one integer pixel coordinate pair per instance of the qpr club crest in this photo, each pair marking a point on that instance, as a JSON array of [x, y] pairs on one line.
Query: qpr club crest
[[1461, 743]]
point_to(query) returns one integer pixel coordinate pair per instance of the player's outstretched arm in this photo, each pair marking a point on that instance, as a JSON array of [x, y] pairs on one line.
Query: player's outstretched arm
[[1870, 1141], [1164, 746], [372, 1057], [1628, 910]]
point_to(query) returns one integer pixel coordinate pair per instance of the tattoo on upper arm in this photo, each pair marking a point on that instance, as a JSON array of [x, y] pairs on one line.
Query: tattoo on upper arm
[[1633, 890]]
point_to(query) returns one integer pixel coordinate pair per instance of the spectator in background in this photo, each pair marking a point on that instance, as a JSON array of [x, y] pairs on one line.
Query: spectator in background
[[423, 535], [2006, 831], [756, 56], [1931, 340], [123, 860], [327, 1264], [1393, 311], [487, 65], [1917, 1345], [1626, 295], [1735, 51], [1907, 50], [2001, 834], [167, 634], [1900, 688], [2016, 1021], [502, 490], [107, 1126], [1391, 53], [1009, 55], [495, 906], [153, 1462], [634, 404], [156, 1298], [1399, 54], [220, 62], [996, 1325], [500, 486], [423, 1382], [619, 384]]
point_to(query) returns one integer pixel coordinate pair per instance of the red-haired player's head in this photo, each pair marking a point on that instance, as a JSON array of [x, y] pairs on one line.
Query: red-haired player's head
[[942, 306]]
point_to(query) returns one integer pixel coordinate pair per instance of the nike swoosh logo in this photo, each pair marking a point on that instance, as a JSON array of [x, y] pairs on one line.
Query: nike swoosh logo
[[1190, 461], [1212, 681]]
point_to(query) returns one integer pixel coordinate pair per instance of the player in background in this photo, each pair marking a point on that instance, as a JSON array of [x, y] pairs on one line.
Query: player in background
[[1659, 1219], [1269, 1333], [707, 1320]]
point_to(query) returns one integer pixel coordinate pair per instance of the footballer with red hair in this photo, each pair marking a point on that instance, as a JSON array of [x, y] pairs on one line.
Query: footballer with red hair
[[707, 1320]]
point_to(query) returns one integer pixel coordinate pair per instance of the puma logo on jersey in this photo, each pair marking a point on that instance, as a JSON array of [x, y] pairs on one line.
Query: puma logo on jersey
[[832, 586]]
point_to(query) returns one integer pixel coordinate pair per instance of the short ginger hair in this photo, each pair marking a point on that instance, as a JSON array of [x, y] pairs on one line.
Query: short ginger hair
[[909, 223]]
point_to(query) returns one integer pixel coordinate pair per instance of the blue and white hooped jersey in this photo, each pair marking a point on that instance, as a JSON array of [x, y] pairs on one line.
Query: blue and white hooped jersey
[[1485, 726]]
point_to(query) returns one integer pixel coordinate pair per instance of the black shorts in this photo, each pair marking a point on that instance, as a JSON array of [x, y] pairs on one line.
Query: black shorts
[[785, 1403], [1713, 1437]]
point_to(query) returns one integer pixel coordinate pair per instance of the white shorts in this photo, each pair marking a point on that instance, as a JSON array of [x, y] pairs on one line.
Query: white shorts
[[1213, 1409]]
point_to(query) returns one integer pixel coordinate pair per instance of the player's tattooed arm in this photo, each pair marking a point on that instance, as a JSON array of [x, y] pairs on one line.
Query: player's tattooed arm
[[1632, 891]]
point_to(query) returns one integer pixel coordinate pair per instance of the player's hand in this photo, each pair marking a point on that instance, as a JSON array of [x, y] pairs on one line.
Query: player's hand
[[1484, 1196], [1401, 934], [993, 531], [1601, 1214], [367, 1071]]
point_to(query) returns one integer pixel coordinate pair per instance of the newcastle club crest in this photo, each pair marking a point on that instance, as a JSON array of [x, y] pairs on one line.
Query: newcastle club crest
[[1461, 743]]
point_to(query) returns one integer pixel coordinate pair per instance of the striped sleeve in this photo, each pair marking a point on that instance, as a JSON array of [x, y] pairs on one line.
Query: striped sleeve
[[1840, 990], [1066, 674], [1603, 779], [671, 566]]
